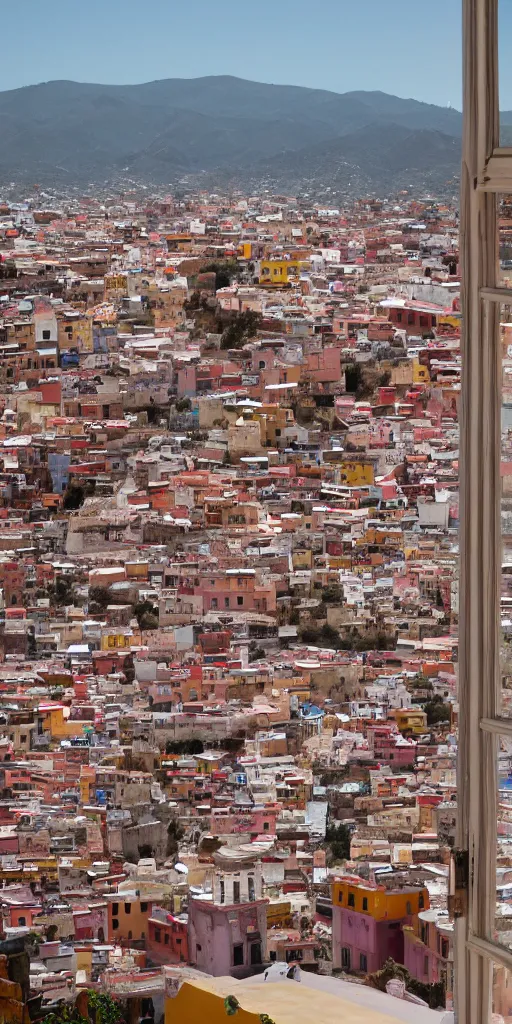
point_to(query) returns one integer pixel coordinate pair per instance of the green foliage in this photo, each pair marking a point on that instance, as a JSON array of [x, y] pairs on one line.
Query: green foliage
[[243, 326], [225, 271], [105, 1009], [101, 1009], [63, 591], [100, 598], [191, 747], [74, 496], [65, 1015], [183, 405], [434, 994], [338, 839], [332, 594], [231, 1005], [174, 834], [326, 636], [146, 615], [437, 711], [420, 682], [256, 654]]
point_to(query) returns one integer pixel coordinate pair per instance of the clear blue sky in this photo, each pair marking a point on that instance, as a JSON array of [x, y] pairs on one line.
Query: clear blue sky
[[400, 46]]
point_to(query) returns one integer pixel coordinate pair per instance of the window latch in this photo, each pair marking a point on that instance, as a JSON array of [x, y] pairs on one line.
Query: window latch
[[458, 888]]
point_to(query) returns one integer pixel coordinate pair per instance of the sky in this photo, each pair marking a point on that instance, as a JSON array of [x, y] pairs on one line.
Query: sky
[[403, 47]]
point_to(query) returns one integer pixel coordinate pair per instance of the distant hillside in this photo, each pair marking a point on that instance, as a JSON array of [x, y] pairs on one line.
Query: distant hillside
[[79, 133]]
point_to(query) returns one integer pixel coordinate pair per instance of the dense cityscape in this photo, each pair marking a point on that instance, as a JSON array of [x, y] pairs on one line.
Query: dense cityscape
[[229, 515]]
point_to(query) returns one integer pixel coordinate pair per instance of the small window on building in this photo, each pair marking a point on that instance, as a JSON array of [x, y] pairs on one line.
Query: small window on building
[[365, 903], [130, 936], [351, 899], [143, 907], [363, 962], [238, 955], [266, 826], [115, 924], [22, 922], [239, 600], [167, 938], [127, 908], [226, 602], [222, 891], [251, 890], [214, 603], [408, 907], [421, 901], [46, 335], [236, 892], [198, 948], [345, 957], [158, 934]]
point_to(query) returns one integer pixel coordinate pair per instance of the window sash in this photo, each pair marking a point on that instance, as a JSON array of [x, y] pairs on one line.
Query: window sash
[[486, 170]]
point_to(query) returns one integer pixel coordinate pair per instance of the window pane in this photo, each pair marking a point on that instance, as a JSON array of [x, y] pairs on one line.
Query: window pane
[[505, 238], [503, 919], [501, 995], [505, 70], [506, 509]]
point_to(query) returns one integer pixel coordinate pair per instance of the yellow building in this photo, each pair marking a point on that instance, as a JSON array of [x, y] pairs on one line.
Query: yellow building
[[278, 913], [75, 332], [279, 273], [420, 374], [302, 558], [410, 720], [379, 903], [356, 474], [208, 763], [192, 997], [113, 640], [60, 728]]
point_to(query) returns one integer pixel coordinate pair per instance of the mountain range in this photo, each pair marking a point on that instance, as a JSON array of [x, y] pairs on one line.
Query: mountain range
[[226, 129]]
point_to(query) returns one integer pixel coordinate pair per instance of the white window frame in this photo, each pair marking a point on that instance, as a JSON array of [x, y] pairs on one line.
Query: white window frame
[[486, 170]]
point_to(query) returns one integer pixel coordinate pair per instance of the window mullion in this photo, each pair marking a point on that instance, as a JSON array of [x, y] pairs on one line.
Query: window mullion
[[479, 497]]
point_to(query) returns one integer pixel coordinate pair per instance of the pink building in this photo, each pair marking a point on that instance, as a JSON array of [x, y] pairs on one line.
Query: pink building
[[368, 921], [227, 931], [428, 950], [388, 745]]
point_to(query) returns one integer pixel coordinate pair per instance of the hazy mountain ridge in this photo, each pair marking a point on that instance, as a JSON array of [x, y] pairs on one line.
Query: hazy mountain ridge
[[161, 130]]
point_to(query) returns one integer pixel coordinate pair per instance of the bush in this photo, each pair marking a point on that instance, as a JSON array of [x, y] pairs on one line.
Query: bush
[[183, 405], [338, 839], [437, 711], [146, 615], [242, 327], [225, 271], [184, 747], [324, 637], [74, 496]]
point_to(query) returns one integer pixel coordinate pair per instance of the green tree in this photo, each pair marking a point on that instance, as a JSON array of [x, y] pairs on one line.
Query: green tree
[[99, 598], [337, 837], [437, 711], [74, 496], [174, 834], [243, 326], [225, 272], [146, 614]]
